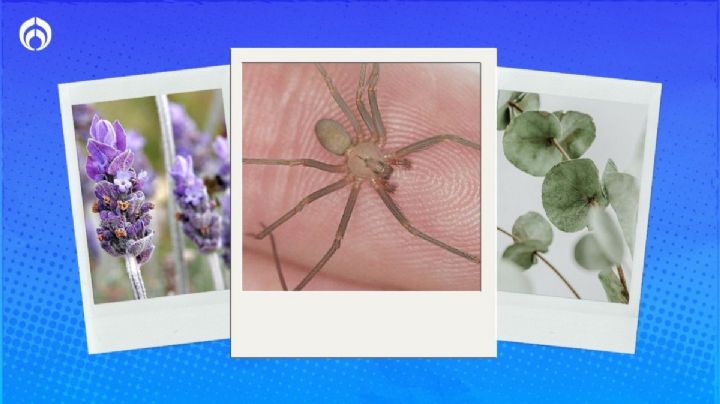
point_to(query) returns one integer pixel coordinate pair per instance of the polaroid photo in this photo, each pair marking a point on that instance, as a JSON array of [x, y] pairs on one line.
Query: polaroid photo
[[575, 167], [149, 178], [368, 203]]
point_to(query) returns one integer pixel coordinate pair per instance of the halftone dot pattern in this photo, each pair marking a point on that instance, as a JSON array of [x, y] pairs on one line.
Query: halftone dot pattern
[[45, 355]]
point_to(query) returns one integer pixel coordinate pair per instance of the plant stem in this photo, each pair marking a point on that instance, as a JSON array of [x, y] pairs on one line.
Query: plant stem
[[560, 148], [216, 271], [543, 259], [136, 281], [166, 131], [621, 275], [276, 258], [516, 106]]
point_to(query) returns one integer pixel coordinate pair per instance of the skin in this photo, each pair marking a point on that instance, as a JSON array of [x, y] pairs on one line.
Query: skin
[[439, 194]]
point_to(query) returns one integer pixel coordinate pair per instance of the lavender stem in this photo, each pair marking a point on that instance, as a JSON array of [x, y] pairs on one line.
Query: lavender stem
[[166, 131], [136, 281], [216, 271]]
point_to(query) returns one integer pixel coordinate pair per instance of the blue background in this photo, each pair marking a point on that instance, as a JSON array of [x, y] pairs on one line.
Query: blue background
[[676, 44]]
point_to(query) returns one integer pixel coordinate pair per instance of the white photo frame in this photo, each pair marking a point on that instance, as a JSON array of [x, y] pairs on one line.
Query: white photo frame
[[369, 324], [157, 321], [567, 322]]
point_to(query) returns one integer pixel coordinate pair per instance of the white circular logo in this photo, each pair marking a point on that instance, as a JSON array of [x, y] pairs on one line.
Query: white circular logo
[[35, 34]]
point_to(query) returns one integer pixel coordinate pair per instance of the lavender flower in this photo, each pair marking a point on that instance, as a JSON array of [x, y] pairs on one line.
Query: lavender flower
[[222, 151], [124, 213], [136, 142], [225, 233], [199, 222], [189, 141]]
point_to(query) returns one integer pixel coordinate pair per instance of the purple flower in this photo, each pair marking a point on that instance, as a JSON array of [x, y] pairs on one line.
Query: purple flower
[[124, 213], [136, 143], [222, 150], [199, 222], [225, 226], [189, 141]]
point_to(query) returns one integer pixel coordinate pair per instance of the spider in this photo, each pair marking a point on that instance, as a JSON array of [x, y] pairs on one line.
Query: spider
[[366, 163]]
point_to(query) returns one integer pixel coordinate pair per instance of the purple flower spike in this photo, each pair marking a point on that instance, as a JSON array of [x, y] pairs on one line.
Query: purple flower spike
[[189, 140], [124, 213], [222, 150], [225, 234], [199, 221]]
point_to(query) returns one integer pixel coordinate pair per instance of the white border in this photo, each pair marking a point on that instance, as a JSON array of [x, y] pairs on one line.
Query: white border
[[370, 324], [568, 322], [157, 321]]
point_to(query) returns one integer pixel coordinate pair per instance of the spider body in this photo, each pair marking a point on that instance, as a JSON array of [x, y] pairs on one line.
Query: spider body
[[366, 161]]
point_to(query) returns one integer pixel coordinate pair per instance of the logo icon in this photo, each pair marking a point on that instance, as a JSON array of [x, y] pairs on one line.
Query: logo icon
[[35, 34]]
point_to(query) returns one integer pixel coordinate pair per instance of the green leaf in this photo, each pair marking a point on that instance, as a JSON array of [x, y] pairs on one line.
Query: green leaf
[[578, 132], [508, 103], [522, 253], [610, 168], [607, 234], [569, 190], [623, 193], [511, 278], [527, 142], [533, 226], [589, 254], [613, 287]]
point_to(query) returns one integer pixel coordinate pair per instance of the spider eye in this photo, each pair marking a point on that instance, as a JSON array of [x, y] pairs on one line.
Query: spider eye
[[332, 136]]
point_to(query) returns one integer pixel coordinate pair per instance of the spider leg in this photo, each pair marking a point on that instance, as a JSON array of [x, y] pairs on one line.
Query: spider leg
[[395, 210], [431, 141], [276, 258], [366, 117], [339, 168], [305, 201], [375, 110], [339, 100], [338, 237]]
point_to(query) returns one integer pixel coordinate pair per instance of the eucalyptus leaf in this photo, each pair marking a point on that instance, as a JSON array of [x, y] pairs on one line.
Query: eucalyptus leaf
[[589, 254], [533, 226], [522, 253], [511, 278], [623, 193], [527, 142], [610, 168], [613, 287], [568, 191], [578, 132], [607, 234], [508, 103]]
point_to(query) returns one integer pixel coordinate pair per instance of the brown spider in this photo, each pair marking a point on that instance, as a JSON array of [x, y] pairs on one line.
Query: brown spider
[[365, 162]]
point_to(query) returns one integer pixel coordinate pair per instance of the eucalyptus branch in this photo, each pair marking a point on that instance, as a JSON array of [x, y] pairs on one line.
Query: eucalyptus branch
[[516, 106], [557, 145], [621, 275], [543, 259]]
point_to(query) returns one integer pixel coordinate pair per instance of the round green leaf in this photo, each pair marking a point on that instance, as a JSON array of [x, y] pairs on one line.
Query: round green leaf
[[512, 103], [533, 226], [522, 253], [578, 132], [589, 254], [511, 278], [613, 287], [569, 190], [623, 193], [527, 142], [607, 234], [610, 168]]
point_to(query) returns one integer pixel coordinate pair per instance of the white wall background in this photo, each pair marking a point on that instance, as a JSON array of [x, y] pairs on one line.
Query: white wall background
[[620, 129]]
